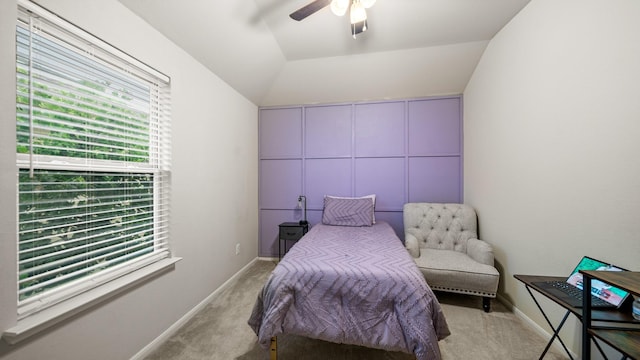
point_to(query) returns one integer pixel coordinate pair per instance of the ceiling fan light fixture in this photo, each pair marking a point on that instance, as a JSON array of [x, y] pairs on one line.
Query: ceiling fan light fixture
[[367, 3], [358, 13], [339, 7]]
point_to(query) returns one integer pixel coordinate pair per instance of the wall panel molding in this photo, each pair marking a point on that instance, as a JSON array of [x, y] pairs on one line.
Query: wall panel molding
[[401, 150]]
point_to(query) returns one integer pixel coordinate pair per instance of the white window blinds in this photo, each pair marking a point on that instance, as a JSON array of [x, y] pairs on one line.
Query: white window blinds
[[93, 156]]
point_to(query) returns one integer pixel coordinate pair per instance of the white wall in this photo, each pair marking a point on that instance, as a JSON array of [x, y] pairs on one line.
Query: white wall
[[431, 71], [214, 193], [552, 139]]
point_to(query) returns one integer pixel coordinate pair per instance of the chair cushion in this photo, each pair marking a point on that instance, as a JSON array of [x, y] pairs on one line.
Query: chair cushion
[[454, 271]]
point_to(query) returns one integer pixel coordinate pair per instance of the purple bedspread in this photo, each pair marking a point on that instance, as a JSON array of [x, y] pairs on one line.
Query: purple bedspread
[[351, 285]]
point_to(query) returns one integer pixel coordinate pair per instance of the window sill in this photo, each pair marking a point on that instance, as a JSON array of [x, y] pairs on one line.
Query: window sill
[[40, 321]]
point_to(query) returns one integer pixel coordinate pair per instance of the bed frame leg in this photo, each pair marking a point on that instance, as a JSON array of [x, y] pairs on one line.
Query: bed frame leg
[[273, 349]]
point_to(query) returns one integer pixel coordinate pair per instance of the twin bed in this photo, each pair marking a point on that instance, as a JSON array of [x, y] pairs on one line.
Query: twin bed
[[351, 285]]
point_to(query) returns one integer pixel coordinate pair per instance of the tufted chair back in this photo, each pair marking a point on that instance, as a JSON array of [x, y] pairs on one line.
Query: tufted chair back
[[441, 226]]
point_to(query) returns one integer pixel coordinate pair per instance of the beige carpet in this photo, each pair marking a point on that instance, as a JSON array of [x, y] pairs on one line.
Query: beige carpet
[[220, 331]]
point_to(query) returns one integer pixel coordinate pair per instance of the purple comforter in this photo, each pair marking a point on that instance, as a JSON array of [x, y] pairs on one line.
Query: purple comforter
[[351, 285]]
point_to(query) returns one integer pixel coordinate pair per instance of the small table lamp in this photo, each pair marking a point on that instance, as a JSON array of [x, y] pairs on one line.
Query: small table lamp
[[303, 200]]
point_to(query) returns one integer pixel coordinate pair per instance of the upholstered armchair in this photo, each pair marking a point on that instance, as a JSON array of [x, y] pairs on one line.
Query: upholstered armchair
[[443, 240]]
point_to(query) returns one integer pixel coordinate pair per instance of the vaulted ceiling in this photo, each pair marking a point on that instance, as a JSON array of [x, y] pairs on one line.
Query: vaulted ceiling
[[247, 43]]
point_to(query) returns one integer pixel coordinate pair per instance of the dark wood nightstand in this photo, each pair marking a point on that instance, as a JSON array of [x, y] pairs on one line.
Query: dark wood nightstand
[[290, 231]]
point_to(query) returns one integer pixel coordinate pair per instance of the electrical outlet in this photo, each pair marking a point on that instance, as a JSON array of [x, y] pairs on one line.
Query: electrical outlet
[[237, 248]]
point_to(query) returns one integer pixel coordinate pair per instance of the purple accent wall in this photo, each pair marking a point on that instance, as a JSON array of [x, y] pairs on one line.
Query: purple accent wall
[[401, 150], [328, 131], [384, 177], [380, 129], [435, 127], [280, 125], [280, 183], [327, 177]]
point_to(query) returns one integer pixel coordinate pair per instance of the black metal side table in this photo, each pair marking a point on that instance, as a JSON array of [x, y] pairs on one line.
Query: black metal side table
[[290, 231]]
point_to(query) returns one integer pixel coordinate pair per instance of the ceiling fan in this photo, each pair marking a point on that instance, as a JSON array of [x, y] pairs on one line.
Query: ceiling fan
[[357, 13]]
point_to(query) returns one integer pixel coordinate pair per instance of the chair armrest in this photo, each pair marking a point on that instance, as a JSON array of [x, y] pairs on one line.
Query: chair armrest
[[480, 251], [411, 243]]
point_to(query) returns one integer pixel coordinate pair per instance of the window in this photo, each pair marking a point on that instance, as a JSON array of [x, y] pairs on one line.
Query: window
[[93, 160]]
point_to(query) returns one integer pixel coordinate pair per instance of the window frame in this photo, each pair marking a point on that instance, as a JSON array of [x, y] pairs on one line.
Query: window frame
[[110, 283]]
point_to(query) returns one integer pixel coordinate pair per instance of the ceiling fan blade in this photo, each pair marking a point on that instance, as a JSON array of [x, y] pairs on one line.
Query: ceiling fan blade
[[309, 9]]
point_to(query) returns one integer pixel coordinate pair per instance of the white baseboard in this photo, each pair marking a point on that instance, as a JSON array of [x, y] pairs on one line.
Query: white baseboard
[[533, 325], [191, 313]]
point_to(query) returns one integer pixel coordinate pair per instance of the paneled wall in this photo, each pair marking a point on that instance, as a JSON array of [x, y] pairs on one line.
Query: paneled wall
[[401, 150]]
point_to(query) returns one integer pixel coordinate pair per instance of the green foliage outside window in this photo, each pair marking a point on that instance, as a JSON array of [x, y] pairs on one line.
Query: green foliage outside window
[[82, 223]]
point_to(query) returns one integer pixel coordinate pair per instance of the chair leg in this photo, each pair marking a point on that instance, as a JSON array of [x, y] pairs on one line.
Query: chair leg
[[486, 304]]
